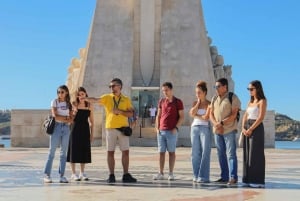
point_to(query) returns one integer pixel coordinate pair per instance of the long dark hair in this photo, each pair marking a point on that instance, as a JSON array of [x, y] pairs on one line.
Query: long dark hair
[[259, 90], [81, 89], [68, 98]]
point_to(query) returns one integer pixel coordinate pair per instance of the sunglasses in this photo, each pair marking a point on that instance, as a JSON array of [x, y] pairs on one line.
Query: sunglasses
[[250, 89], [113, 85], [217, 86], [60, 92]]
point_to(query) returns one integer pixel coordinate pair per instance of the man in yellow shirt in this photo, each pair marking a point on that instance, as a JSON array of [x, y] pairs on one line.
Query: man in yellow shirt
[[118, 108]]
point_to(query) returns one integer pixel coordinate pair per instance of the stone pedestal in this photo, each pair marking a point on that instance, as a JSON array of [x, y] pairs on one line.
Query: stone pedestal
[[27, 130]]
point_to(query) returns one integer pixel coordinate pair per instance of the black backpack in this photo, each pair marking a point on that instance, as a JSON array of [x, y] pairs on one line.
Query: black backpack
[[230, 94]]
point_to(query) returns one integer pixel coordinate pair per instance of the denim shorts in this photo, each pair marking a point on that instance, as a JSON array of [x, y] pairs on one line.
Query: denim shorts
[[166, 141]]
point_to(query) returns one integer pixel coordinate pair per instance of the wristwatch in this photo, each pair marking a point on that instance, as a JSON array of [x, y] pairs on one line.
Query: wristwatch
[[176, 128]]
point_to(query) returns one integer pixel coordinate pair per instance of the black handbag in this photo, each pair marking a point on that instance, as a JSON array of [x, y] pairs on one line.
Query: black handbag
[[127, 131], [49, 124]]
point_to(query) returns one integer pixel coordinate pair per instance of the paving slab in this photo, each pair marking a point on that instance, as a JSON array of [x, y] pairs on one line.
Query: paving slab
[[21, 178]]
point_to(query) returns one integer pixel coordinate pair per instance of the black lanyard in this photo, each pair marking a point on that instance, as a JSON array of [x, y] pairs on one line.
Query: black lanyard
[[116, 104]]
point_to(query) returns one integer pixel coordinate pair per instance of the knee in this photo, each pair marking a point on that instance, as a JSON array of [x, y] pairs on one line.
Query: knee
[[110, 153], [206, 152], [162, 154], [231, 154], [125, 153], [171, 154], [51, 156], [63, 154], [51, 153]]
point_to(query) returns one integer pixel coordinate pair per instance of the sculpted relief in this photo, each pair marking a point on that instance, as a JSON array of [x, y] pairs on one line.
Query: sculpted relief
[[74, 71], [220, 70]]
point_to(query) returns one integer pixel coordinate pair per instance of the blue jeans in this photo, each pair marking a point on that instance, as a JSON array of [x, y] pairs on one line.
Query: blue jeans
[[60, 137], [201, 148], [166, 141], [226, 148]]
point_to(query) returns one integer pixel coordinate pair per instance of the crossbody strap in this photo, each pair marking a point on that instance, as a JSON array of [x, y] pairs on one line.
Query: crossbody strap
[[116, 104]]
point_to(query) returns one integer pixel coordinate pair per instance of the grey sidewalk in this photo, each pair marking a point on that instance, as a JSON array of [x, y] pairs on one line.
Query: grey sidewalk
[[21, 173]]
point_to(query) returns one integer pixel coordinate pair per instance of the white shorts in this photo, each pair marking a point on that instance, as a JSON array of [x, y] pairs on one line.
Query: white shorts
[[114, 136]]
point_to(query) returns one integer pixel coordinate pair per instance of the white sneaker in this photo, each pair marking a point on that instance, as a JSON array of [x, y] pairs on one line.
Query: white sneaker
[[194, 179], [47, 179], [74, 177], [199, 180], [83, 177], [159, 176], [63, 180], [171, 177], [257, 185]]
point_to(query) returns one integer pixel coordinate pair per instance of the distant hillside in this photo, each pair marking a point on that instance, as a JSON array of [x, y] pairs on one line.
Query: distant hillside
[[286, 128]]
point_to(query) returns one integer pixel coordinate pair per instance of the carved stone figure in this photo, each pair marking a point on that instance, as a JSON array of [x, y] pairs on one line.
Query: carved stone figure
[[209, 40], [213, 54], [74, 71], [217, 62], [227, 74], [219, 72], [82, 54]]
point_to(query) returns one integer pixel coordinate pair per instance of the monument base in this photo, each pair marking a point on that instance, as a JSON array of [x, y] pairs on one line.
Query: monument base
[[27, 131]]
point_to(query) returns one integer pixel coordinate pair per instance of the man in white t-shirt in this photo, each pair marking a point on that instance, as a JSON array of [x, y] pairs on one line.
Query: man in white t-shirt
[[152, 111]]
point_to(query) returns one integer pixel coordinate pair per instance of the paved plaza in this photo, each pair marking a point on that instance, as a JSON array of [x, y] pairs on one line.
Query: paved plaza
[[21, 173]]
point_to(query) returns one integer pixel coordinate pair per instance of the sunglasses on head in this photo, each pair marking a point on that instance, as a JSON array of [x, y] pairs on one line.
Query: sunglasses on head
[[113, 85], [250, 89]]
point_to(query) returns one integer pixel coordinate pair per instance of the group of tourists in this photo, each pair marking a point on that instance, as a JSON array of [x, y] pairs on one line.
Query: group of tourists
[[74, 122]]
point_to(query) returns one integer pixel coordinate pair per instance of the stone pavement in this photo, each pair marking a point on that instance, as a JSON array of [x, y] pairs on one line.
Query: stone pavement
[[21, 173]]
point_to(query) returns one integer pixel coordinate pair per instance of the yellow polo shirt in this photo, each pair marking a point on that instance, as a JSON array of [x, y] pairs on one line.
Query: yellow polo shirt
[[113, 120]]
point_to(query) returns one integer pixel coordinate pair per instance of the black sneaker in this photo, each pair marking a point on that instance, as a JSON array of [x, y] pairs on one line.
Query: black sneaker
[[111, 178], [127, 178], [221, 181]]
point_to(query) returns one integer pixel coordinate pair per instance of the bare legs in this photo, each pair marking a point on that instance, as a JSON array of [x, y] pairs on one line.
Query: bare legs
[[111, 161], [172, 157], [73, 168]]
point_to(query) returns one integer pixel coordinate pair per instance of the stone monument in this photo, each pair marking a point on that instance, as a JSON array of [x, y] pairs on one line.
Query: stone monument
[[145, 43]]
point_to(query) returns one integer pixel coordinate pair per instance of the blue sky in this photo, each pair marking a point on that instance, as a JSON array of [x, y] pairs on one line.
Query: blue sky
[[260, 39]]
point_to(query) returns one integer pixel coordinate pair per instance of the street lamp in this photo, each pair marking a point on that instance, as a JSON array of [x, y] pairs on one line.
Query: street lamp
[[144, 115]]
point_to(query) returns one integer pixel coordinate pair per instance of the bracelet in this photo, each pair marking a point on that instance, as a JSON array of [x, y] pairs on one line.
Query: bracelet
[[176, 128]]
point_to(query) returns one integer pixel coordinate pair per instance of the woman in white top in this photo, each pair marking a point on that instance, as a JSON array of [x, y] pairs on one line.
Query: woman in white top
[[200, 135], [253, 143], [61, 109]]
